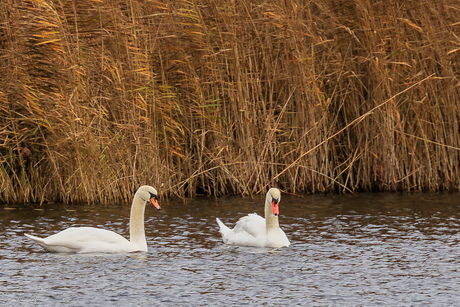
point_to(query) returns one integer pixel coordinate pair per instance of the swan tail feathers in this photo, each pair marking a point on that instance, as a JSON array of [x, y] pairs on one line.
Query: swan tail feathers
[[49, 248], [224, 230], [34, 238], [38, 240]]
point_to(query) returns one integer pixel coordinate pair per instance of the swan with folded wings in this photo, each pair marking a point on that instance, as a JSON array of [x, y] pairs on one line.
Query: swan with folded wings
[[97, 240]]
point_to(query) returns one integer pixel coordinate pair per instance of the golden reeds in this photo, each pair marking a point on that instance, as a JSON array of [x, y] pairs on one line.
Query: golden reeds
[[218, 97]]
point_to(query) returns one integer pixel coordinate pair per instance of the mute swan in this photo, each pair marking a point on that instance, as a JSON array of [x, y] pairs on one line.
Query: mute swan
[[254, 230], [96, 240]]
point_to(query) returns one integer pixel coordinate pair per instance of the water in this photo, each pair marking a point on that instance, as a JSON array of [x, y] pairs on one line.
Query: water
[[365, 250]]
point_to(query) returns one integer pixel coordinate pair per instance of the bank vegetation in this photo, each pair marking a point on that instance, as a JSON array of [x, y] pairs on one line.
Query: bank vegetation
[[224, 97]]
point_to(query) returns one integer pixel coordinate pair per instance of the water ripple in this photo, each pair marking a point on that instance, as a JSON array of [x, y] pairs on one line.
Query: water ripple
[[346, 251]]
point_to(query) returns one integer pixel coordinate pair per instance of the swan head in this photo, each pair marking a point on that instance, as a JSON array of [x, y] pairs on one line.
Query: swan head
[[274, 197], [148, 194]]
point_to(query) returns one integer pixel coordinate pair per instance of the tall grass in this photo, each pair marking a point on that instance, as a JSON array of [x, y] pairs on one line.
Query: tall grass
[[218, 97]]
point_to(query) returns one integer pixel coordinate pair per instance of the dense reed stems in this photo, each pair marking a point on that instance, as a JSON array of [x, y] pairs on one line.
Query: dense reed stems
[[220, 97]]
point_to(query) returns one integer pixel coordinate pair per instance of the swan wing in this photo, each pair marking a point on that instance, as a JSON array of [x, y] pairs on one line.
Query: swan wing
[[250, 230], [86, 240], [56, 249], [252, 224]]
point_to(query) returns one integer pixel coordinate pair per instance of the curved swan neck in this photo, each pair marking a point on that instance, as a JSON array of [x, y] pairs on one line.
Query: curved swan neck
[[136, 223]]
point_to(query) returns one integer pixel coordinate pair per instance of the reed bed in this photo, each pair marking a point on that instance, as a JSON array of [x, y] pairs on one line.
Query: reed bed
[[223, 97]]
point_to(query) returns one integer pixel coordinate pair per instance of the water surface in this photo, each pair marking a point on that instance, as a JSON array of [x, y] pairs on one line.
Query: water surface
[[365, 250]]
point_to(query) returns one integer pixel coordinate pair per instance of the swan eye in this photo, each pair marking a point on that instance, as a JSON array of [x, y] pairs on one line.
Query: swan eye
[[275, 200], [153, 196]]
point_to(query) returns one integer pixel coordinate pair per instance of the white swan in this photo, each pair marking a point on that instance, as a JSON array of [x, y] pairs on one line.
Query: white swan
[[254, 230], [96, 240]]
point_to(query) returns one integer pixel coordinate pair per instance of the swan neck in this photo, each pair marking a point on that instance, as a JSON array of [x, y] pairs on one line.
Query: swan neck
[[271, 220], [136, 223]]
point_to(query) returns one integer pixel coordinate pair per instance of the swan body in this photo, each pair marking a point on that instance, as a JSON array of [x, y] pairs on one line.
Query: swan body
[[254, 230], [97, 240]]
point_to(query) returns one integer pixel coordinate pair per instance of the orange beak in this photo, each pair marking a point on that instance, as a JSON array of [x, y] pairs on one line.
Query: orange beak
[[154, 202], [275, 207]]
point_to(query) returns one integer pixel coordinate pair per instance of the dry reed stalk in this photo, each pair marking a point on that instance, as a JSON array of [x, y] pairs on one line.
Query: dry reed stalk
[[218, 97]]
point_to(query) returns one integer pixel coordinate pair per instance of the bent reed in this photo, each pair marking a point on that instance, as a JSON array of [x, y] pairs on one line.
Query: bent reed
[[219, 97]]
